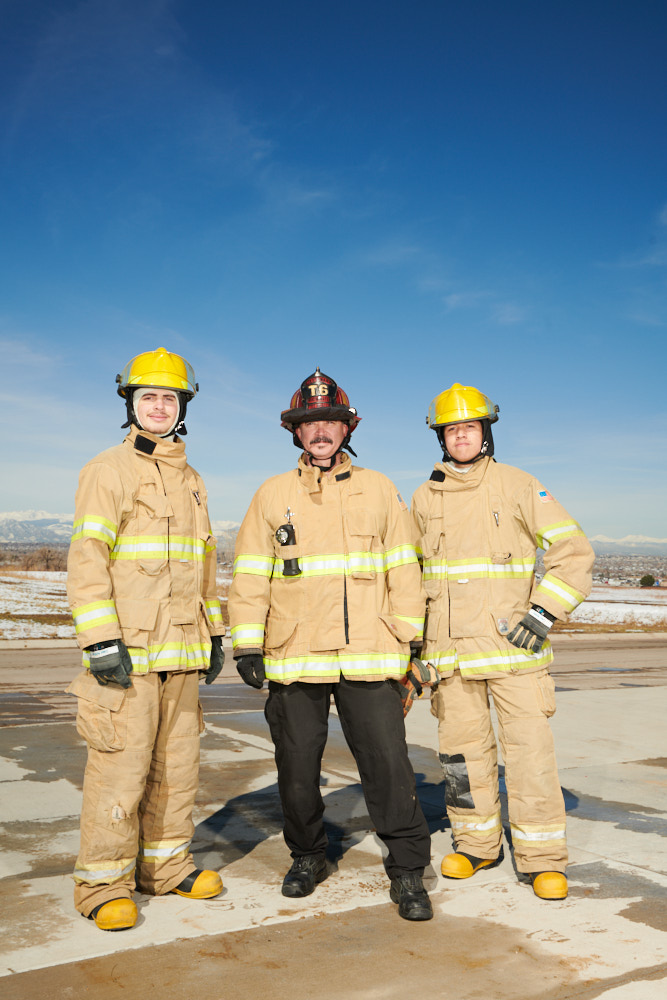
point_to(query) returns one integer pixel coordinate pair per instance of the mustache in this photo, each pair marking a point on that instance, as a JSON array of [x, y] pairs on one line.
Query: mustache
[[322, 439]]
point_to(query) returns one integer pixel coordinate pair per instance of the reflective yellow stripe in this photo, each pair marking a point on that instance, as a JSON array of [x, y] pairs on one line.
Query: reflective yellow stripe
[[400, 555], [417, 623], [174, 547], [104, 871], [251, 634], [447, 659], [159, 850], [567, 597], [93, 526], [214, 611], [93, 615], [557, 532], [477, 568], [293, 667], [474, 824], [531, 834], [255, 565], [175, 655], [504, 660]]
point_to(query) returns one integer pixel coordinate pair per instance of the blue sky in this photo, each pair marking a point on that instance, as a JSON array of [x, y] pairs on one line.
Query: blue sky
[[406, 195]]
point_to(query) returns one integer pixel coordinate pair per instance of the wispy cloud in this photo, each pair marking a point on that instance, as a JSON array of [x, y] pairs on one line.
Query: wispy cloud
[[466, 300], [19, 358], [509, 314]]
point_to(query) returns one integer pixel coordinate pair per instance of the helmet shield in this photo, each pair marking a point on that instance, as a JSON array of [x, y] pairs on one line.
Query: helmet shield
[[158, 370], [458, 404]]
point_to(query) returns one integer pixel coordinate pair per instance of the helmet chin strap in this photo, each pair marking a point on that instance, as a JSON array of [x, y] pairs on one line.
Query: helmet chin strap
[[178, 427]]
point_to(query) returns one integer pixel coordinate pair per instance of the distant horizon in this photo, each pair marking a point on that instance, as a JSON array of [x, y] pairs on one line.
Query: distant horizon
[[222, 524]]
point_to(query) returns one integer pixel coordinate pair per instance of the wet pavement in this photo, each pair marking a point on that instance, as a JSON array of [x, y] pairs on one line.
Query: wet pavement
[[491, 937]]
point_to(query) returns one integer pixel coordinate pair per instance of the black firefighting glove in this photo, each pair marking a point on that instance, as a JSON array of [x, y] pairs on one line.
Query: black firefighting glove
[[532, 630], [110, 663], [216, 662], [419, 676], [251, 669]]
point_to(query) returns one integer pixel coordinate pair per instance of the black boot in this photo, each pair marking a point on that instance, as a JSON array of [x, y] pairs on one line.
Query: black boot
[[304, 875], [409, 892]]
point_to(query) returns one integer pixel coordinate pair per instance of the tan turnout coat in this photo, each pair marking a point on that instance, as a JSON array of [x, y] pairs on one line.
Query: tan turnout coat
[[358, 600], [478, 535], [142, 558]]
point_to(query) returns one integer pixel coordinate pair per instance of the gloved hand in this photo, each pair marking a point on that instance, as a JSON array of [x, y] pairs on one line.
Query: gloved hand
[[251, 669], [216, 662], [532, 630], [419, 675], [110, 663]]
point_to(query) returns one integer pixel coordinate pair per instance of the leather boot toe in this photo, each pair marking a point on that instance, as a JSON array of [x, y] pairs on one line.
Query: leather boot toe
[[306, 872], [409, 892]]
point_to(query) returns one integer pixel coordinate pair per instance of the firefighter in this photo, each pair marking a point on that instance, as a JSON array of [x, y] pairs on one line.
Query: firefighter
[[325, 600], [141, 586], [487, 622]]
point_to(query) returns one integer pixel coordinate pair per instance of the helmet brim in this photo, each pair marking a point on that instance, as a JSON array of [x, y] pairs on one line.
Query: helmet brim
[[300, 415]]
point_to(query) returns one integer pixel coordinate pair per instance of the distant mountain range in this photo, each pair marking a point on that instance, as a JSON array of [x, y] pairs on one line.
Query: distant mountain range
[[37, 527], [631, 545]]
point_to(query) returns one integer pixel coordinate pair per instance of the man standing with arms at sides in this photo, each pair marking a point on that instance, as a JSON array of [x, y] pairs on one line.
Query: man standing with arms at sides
[[480, 525], [325, 600], [141, 585]]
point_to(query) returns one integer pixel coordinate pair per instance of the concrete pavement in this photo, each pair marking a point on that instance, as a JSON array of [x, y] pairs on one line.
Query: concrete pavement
[[491, 937]]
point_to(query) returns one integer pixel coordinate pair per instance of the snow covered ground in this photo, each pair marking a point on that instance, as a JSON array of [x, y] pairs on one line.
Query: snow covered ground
[[34, 599], [634, 606]]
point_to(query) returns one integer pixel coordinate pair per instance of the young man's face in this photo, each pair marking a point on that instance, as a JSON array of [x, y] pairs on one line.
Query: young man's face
[[464, 441], [157, 410], [322, 438]]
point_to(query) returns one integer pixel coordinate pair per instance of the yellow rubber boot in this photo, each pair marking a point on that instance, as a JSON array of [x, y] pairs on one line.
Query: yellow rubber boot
[[199, 885], [461, 865], [116, 915], [549, 885]]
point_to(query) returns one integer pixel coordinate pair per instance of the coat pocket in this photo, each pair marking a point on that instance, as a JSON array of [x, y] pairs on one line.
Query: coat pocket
[[155, 505], [99, 718], [137, 619], [363, 544], [402, 631], [278, 632], [431, 543]]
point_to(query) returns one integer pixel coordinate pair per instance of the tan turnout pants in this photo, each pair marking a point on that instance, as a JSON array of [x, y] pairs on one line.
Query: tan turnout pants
[[468, 754], [139, 785]]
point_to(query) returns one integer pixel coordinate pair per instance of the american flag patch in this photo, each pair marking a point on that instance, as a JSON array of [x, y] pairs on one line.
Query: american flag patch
[[401, 502], [544, 496]]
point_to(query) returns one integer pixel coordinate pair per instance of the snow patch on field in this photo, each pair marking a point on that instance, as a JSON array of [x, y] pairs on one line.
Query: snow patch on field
[[37, 595], [619, 605]]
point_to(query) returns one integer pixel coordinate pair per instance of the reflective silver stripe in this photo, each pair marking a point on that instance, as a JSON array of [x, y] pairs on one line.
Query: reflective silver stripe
[[91, 874]]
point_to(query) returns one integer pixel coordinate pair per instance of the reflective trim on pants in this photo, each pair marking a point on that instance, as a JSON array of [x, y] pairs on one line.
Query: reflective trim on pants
[[468, 753], [141, 789]]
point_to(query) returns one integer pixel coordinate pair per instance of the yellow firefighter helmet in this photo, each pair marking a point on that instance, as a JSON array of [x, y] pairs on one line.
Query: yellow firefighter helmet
[[459, 403], [160, 370]]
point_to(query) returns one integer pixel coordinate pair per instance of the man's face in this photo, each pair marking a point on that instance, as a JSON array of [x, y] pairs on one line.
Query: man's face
[[322, 438], [157, 410], [464, 441]]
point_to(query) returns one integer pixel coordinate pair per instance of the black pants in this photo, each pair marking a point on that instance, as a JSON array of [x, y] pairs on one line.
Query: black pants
[[371, 716]]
